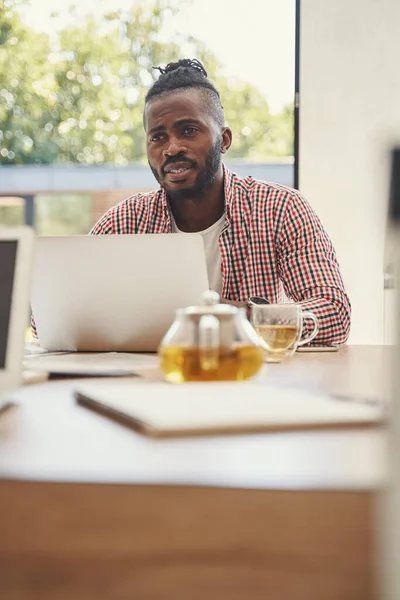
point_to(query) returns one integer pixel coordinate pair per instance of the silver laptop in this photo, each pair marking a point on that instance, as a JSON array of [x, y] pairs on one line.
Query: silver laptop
[[16, 251], [113, 292]]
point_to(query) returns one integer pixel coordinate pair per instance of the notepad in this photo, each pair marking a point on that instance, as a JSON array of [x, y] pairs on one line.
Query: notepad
[[167, 410]]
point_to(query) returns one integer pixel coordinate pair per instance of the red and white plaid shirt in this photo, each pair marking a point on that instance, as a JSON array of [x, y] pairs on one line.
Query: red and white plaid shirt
[[273, 245]]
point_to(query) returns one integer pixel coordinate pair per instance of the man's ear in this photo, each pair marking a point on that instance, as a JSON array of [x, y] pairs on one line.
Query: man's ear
[[226, 139]]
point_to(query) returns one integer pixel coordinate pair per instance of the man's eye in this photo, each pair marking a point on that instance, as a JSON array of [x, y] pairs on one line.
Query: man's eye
[[190, 130], [156, 138]]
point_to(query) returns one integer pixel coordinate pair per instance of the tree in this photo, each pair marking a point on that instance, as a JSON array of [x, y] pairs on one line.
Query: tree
[[280, 141], [104, 70], [27, 95], [80, 98]]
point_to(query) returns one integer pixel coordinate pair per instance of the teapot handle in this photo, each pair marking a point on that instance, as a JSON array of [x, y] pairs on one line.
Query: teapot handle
[[209, 342]]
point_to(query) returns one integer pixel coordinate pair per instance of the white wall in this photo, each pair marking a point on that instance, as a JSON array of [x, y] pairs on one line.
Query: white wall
[[349, 120]]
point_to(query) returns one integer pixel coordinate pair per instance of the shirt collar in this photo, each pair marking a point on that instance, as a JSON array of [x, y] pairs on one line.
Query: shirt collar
[[165, 206], [229, 191]]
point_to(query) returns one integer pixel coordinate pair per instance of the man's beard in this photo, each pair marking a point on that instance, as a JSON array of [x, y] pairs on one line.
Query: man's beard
[[205, 177]]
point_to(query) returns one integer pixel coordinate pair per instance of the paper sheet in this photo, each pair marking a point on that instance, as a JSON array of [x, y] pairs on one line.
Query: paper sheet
[[104, 363]]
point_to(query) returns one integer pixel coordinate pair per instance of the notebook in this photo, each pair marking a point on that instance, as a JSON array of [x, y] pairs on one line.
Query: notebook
[[167, 410]]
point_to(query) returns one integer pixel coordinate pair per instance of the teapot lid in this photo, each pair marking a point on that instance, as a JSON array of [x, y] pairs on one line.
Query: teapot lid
[[210, 306]]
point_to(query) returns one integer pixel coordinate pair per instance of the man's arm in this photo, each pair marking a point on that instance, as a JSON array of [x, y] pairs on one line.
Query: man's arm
[[34, 330], [310, 272]]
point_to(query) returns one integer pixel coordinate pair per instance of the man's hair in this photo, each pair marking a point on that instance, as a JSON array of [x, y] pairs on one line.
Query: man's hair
[[183, 74]]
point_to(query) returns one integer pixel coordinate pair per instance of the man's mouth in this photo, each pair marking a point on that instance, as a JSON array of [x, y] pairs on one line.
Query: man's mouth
[[180, 170], [178, 167], [177, 171]]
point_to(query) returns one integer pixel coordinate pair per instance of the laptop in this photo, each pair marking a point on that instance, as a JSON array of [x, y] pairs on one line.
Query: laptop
[[16, 251], [113, 292]]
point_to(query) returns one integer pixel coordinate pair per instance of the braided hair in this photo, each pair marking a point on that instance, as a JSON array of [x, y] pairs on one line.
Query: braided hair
[[183, 74]]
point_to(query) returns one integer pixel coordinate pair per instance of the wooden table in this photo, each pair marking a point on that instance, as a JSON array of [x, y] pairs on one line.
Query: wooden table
[[92, 510]]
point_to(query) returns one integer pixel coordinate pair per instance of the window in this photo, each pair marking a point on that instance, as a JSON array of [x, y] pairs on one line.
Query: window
[[73, 82]]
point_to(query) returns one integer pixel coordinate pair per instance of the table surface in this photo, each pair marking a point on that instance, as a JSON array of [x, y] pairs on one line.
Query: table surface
[[48, 437], [290, 515]]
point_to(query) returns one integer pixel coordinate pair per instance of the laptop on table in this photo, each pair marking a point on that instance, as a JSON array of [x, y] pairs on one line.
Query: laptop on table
[[16, 252], [113, 292]]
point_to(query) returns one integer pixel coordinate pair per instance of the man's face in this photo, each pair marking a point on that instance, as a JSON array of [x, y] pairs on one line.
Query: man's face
[[183, 143]]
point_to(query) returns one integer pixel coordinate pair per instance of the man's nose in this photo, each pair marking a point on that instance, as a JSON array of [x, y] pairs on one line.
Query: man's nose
[[174, 147]]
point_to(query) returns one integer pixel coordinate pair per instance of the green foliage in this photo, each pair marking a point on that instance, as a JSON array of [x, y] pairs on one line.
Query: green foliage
[[12, 215], [55, 214], [78, 98], [27, 95], [63, 214], [102, 79]]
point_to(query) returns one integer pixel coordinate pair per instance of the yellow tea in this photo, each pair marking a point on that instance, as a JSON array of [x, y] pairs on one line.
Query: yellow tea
[[277, 338], [181, 364]]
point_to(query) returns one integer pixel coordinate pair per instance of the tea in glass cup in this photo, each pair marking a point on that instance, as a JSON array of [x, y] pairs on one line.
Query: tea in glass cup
[[280, 328]]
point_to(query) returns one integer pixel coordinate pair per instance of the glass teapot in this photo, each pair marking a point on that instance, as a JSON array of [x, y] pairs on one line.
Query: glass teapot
[[210, 342]]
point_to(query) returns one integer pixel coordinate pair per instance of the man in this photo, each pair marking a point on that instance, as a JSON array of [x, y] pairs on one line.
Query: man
[[260, 239]]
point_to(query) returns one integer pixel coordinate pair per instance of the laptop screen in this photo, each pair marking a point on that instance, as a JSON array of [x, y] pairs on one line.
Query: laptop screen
[[8, 256]]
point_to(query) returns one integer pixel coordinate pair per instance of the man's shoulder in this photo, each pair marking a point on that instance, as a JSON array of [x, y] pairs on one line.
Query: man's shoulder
[[138, 200], [264, 191], [121, 217]]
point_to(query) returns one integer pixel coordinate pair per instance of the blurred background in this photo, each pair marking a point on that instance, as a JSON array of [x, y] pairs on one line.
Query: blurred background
[[72, 85]]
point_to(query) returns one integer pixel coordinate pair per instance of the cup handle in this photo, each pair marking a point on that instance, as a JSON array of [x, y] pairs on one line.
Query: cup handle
[[313, 334]]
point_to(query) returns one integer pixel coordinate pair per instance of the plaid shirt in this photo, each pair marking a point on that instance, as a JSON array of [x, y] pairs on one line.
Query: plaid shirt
[[273, 245]]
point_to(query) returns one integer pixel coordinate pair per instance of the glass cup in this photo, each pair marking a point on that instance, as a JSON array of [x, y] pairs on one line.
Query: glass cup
[[280, 327]]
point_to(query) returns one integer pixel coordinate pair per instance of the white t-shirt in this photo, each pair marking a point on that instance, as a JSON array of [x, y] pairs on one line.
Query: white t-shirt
[[211, 247]]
